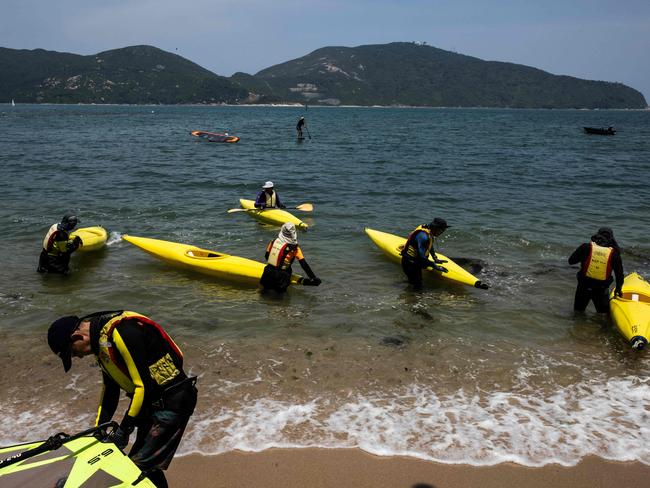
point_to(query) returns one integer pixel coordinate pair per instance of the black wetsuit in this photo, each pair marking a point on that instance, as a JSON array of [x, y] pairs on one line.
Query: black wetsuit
[[299, 126], [591, 289], [165, 410]]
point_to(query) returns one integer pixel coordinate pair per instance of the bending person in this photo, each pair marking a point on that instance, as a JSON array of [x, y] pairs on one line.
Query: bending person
[[280, 254], [136, 355], [418, 248], [57, 247]]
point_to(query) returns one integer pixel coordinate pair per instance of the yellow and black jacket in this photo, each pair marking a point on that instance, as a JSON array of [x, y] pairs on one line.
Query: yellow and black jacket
[[135, 355]]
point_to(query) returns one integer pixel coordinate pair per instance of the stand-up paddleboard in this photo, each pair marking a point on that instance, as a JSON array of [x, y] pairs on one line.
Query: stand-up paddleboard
[[631, 313], [213, 263], [273, 216], [392, 246], [215, 136], [92, 238]]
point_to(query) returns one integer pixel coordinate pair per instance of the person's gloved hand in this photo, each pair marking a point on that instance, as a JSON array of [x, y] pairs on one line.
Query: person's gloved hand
[[119, 437], [442, 269], [618, 293], [100, 434], [439, 261]]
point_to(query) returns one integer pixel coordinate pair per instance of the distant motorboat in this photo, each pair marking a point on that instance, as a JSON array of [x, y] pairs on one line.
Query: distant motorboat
[[603, 131]]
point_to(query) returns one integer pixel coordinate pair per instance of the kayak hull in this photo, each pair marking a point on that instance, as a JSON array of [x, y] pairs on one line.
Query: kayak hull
[[215, 136], [193, 258], [631, 313], [392, 246], [92, 238], [273, 216]]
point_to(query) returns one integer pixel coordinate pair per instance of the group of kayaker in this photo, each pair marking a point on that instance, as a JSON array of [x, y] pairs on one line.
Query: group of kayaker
[[136, 355]]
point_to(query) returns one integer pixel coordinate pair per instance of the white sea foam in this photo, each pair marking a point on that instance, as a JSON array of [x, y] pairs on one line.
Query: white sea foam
[[114, 237], [609, 420]]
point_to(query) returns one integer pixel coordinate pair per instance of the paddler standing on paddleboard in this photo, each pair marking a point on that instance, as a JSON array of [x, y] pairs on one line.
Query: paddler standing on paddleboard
[[57, 246], [280, 254], [597, 259], [418, 248], [268, 197], [299, 126]]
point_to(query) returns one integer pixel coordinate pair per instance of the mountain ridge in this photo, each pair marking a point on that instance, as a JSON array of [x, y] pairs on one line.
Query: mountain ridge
[[393, 74]]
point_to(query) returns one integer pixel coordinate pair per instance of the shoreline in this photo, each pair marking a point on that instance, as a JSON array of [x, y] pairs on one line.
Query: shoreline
[[318, 467]]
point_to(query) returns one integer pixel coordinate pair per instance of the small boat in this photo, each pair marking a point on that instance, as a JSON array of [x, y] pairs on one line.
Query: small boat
[[215, 136], [92, 238], [273, 216], [631, 312], [393, 245], [603, 131], [213, 263]]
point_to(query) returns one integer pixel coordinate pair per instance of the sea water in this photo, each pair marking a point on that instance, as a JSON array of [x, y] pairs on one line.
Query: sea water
[[452, 373]]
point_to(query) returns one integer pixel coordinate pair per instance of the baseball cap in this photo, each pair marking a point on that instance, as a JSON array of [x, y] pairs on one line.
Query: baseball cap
[[58, 338]]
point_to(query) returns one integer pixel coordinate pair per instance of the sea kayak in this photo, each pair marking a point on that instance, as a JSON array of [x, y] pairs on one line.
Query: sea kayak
[[92, 238], [631, 313], [273, 216], [215, 136], [204, 261], [392, 246]]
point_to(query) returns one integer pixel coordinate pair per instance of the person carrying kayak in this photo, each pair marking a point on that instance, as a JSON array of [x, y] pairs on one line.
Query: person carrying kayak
[[57, 246], [299, 126], [136, 355], [597, 258], [268, 197], [280, 254], [418, 248]]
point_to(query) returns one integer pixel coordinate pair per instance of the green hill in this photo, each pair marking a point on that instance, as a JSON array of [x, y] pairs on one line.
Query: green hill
[[136, 75], [404, 73], [399, 73]]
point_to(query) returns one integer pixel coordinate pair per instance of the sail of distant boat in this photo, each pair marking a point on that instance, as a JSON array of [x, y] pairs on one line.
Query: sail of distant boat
[[13, 104]]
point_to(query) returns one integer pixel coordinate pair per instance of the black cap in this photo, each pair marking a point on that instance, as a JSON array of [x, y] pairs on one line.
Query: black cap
[[58, 337], [438, 223]]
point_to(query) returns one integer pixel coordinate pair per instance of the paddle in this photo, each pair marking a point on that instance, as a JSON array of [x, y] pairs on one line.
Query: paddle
[[308, 134], [305, 207]]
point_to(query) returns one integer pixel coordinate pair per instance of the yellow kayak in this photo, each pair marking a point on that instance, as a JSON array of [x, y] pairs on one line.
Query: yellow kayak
[[631, 314], [273, 216], [92, 238], [204, 261], [392, 246]]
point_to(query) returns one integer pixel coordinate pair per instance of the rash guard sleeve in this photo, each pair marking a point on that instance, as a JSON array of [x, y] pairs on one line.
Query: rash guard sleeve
[[108, 400]]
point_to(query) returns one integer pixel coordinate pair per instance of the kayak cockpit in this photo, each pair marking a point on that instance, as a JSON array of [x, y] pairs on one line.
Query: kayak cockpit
[[203, 254]]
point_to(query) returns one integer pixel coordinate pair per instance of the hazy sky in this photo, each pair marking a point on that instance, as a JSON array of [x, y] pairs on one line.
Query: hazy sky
[[593, 39]]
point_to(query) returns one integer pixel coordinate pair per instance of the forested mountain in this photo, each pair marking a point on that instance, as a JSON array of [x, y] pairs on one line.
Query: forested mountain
[[400, 73], [137, 75], [404, 73]]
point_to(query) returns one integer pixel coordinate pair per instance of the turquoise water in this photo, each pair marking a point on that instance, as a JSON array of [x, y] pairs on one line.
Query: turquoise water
[[504, 374]]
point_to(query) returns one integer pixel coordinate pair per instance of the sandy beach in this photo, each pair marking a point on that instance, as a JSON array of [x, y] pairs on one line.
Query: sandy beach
[[316, 468]]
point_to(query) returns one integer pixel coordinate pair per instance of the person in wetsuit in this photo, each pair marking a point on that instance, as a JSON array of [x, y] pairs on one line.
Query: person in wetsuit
[[280, 254], [57, 247], [418, 248], [299, 126], [136, 355], [268, 197], [597, 258]]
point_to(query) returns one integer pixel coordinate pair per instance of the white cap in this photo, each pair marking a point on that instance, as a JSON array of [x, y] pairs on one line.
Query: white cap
[[268, 184]]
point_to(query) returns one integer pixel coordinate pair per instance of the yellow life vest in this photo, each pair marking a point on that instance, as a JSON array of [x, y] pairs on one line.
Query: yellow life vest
[[598, 265], [279, 255], [114, 365], [270, 199], [52, 244], [411, 248]]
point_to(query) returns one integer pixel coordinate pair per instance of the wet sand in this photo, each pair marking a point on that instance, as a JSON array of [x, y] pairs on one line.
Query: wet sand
[[316, 468]]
